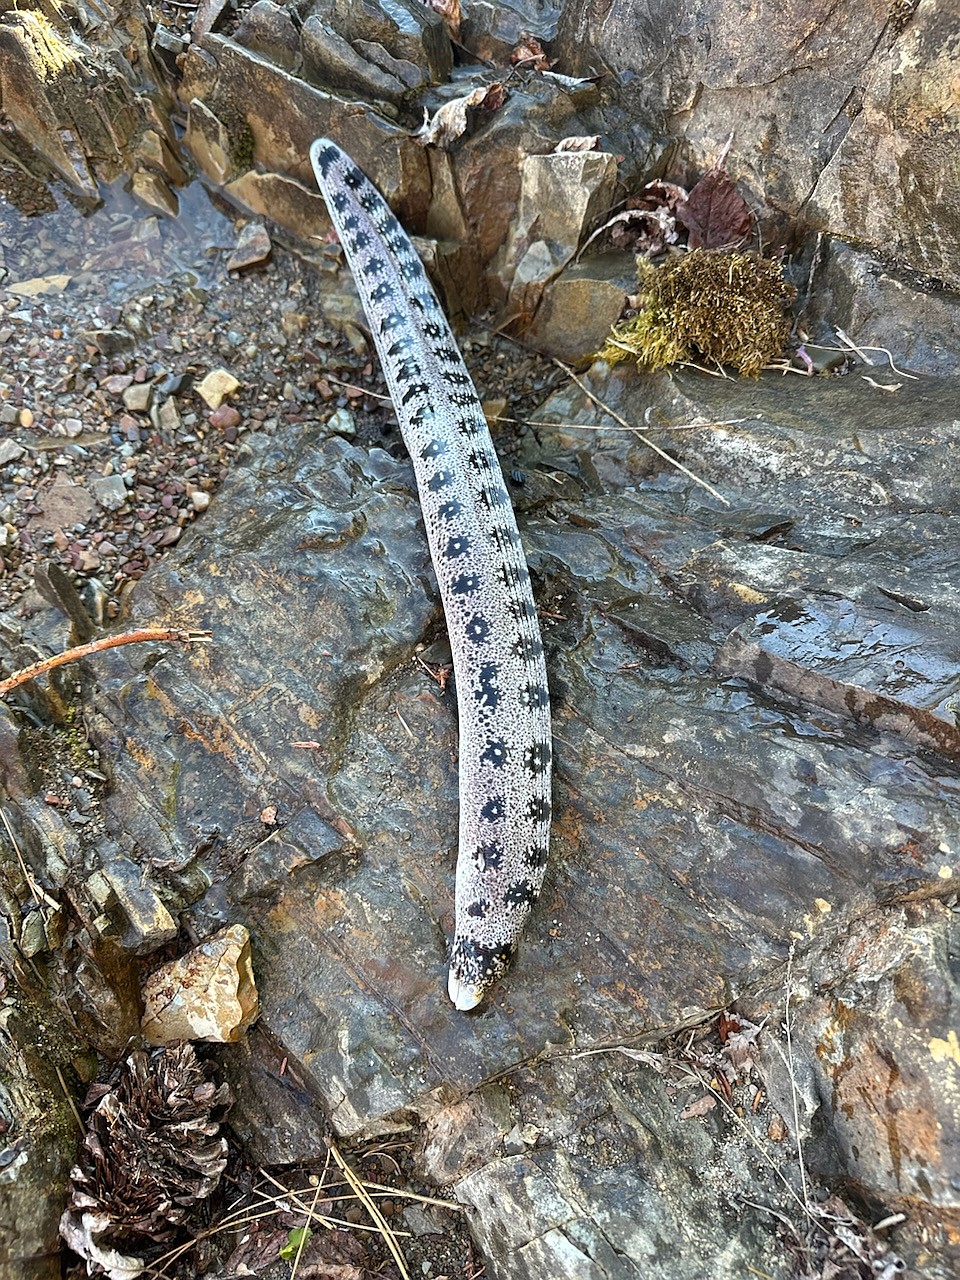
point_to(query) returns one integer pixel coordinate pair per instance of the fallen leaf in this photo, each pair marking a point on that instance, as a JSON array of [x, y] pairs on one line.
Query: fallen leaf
[[449, 11], [450, 121], [570, 82], [715, 213], [297, 1237], [588, 143], [530, 53]]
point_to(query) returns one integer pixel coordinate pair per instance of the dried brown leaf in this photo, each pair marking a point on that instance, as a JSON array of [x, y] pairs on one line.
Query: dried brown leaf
[[715, 213], [648, 225], [449, 11], [739, 1039], [450, 121], [530, 53], [589, 142]]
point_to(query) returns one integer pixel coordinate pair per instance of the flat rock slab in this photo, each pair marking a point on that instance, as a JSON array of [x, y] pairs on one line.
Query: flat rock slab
[[698, 820], [298, 775]]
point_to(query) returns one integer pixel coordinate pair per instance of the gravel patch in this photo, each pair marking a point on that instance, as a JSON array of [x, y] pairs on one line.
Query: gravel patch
[[135, 368]]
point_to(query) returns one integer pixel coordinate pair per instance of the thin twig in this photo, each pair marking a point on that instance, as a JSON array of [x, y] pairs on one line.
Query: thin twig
[[411, 1195], [294, 1198], [40, 896], [303, 1233], [69, 1097], [353, 386], [793, 1080], [848, 342], [592, 426], [915, 377], [97, 646], [404, 723], [640, 435]]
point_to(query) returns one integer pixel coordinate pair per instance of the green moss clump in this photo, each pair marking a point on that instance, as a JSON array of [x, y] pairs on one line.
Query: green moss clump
[[707, 305]]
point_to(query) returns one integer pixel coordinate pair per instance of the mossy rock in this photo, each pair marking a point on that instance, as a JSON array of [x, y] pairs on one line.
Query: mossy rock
[[707, 305]]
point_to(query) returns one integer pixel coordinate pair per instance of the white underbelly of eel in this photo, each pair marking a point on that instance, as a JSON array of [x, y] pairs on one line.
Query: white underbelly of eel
[[501, 679]]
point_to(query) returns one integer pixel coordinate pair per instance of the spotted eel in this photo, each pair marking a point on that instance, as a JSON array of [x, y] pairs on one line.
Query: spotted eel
[[498, 661]]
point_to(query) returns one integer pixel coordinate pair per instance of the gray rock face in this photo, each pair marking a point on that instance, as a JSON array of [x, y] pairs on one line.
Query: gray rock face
[[825, 115], [755, 697], [402, 38], [268, 29], [702, 821], [331, 62]]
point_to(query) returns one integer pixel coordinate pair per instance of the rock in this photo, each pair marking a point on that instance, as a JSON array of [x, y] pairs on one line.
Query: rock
[[406, 32], [488, 165], [214, 388], [153, 191], [213, 146], [237, 86], [282, 200], [110, 492], [561, 198], [117, 383], [253, 246], [39, 285], [331, 62], [268, 29], [155, 153], [225, 416], [580, 306], [167, 415], [208, 994], [492, 31], [877, 307], [199, 500], [85, 134], [275, 1116], [848, 110], [63, 504], [39, 1133], [455, 273], [137, 396], [131, 905], [894, 144], [10, 451], [343, 423], [887, 672], [664, 573], [879, 1022]]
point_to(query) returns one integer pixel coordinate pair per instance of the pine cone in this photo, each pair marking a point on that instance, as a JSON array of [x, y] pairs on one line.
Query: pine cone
[[152, 1152]]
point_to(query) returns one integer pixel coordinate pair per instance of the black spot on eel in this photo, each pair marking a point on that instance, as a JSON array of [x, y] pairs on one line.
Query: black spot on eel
[[501, 678]]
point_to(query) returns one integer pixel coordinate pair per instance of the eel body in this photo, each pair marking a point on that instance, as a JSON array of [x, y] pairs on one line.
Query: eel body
[[499, 669]]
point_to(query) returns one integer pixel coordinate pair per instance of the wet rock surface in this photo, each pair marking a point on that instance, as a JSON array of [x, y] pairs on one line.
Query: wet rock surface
[[753, 661], [702, 822]]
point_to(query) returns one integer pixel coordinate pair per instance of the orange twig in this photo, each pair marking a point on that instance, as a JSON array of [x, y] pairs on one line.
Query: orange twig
[[95, 646]]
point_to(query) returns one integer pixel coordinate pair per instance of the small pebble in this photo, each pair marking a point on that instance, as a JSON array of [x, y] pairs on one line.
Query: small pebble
[[225, 416]]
